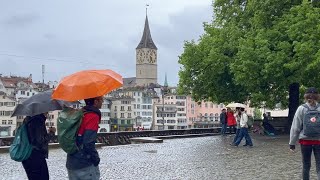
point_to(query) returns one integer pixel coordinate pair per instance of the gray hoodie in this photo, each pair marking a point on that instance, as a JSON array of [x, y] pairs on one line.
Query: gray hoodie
[[296, 131]]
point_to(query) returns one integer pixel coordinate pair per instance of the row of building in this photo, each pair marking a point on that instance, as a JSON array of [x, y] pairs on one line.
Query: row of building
[[125, 109]]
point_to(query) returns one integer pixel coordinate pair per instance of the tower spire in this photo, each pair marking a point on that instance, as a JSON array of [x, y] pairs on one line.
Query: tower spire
[[165, 81], [146, 40]]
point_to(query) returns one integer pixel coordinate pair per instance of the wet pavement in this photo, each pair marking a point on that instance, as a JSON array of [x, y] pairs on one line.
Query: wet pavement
[[193, 158]]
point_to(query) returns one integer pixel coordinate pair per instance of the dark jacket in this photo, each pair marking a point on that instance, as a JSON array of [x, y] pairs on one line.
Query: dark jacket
[[37, 133], [87, 135], [223, 118]]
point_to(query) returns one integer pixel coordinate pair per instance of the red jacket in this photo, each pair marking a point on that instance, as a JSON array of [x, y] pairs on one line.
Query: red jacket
[[231, 120]]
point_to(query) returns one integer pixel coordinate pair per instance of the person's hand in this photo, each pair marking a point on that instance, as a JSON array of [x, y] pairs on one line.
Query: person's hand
[[292, 148]]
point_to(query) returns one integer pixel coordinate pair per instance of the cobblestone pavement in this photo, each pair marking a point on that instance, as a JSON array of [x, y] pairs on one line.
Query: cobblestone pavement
[[192, 158]]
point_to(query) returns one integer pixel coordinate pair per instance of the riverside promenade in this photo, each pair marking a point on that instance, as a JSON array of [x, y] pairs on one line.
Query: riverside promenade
[[198, 158]]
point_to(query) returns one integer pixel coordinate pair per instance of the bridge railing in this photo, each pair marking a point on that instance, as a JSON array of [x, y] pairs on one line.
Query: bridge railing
[[123, 137]]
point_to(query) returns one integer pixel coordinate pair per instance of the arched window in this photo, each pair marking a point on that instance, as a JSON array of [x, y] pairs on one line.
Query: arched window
[[211, 117], [103, 130], [216, 118]]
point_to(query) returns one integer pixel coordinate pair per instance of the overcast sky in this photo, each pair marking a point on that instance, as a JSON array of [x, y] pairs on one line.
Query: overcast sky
[[68, 36]]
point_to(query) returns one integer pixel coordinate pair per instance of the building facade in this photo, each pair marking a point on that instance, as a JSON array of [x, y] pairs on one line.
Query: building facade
[[104, 125], [122, 114], [7, 123]]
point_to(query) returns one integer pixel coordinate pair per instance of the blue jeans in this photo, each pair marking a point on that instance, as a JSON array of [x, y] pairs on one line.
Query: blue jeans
[[244, 133], [223, 128], [306, 151], [237, 136], [91, 172]]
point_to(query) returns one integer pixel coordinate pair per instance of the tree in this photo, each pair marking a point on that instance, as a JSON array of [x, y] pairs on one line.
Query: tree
[[263, 50], [257, 113]]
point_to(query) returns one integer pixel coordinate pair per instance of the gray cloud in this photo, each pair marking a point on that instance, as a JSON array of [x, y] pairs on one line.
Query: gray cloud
[[21, 20], [101, 34]]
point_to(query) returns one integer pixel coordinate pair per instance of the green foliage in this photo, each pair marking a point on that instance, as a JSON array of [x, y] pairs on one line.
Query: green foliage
[[253, 50], [257, 113]]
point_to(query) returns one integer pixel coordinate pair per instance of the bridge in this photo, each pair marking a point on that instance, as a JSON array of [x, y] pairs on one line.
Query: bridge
[[207, 157]]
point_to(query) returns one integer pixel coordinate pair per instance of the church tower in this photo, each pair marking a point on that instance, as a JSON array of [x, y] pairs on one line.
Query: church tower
[[146, 58]]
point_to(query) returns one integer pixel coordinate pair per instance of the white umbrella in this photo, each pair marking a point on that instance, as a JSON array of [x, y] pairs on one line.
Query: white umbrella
[[236, 105]]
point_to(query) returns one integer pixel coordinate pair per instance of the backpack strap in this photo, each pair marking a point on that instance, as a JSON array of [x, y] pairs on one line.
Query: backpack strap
[[306, 106]]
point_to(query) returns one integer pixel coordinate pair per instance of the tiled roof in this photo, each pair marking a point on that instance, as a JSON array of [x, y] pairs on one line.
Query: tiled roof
[[11, 82], [129, 82]]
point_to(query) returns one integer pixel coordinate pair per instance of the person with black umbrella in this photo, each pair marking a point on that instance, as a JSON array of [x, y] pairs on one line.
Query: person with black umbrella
[[36, 110], [36, 165]]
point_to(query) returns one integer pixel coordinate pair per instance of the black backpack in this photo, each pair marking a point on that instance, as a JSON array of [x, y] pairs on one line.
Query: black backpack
[[311, 122]]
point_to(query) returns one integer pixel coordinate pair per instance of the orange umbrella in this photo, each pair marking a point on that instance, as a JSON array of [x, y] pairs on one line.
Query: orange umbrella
[[87, 84]]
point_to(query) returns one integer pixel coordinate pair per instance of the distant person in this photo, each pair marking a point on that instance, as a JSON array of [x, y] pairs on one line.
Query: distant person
[[223, 122], [298, 131], [243, 130], [270, 130], [265, 118], [52, 133], [36, 165], [231, 120], [238, 118], [84, 164]]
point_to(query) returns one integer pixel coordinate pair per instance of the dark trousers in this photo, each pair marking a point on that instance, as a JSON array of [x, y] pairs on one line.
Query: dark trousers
[[223, 128], [232, 129], [36, 166], [236, 136], [244, 134], [306, 151]]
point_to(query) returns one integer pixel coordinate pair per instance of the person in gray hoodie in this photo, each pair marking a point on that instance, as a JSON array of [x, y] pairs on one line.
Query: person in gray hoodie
[[308, 144]]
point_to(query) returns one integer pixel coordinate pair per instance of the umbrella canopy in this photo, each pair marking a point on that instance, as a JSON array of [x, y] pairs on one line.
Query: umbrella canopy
[[236, 105], [87, 84], [39, 103]]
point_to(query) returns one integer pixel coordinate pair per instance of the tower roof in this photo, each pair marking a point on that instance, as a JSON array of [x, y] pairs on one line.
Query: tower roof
[[165, 81], [146, 40]]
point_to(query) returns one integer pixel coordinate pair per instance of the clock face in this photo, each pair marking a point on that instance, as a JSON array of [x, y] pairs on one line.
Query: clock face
[[152, 56], [140, 56]]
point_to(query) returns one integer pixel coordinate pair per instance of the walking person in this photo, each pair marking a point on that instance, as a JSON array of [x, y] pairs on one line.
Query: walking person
[[238, 117], [231, 120], [36, 165], [243, 129], [223, 122], [84, 164], [300, 131]]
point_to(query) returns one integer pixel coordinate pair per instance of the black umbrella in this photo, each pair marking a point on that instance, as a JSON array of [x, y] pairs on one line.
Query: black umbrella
[[40, 103]]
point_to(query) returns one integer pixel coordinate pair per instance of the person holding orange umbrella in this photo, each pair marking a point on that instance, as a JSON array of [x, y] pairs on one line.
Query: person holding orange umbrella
[[84, 164], [89, 85]]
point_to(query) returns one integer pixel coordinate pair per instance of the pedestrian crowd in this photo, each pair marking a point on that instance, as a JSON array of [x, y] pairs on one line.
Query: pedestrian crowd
[[77, 128], [305, 129], [84, 163], [237, 122]]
